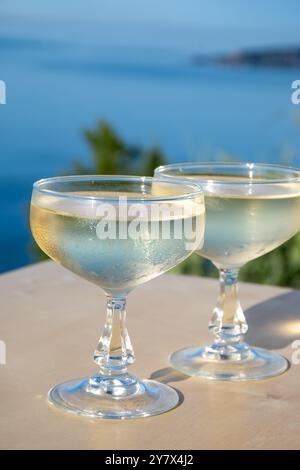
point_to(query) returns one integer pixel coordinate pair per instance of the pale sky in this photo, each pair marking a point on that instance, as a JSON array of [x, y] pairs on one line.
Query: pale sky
[[191, 24]]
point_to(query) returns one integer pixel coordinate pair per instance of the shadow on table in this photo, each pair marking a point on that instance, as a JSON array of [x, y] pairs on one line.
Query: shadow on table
[[274, 323], [168, 375]]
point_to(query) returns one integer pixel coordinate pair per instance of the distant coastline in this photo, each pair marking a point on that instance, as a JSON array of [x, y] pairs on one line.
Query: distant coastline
[[271, 57]]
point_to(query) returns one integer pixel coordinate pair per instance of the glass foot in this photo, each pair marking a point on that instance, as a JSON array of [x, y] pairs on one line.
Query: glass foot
[[112, 398], [211, 363]]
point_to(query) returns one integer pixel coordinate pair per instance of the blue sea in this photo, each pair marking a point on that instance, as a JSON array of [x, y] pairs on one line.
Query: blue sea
[[150, 94]]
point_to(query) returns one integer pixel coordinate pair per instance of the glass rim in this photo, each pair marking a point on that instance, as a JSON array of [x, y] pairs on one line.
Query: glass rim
[[196, 189], [249, 165]]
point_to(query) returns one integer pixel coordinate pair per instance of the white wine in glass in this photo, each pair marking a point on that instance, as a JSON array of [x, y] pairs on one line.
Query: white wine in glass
[[251, 209], [117, 232]]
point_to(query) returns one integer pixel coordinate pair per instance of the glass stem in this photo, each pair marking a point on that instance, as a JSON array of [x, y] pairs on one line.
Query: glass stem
[[228, 321], [114, 352]]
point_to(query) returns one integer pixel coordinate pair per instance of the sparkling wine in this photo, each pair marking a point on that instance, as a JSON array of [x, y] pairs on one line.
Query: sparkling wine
[[68, 232]]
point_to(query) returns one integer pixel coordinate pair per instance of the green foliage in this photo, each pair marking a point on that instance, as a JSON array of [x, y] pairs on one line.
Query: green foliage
[[112, 155]]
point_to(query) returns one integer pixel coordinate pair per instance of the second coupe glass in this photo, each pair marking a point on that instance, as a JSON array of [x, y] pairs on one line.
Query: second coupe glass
[[250, 210]]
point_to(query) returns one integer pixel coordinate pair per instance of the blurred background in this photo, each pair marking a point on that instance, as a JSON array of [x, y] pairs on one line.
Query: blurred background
[[121, 86]]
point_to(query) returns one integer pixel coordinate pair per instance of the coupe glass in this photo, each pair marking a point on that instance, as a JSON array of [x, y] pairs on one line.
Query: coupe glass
[[250, 210], [117, 232]]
